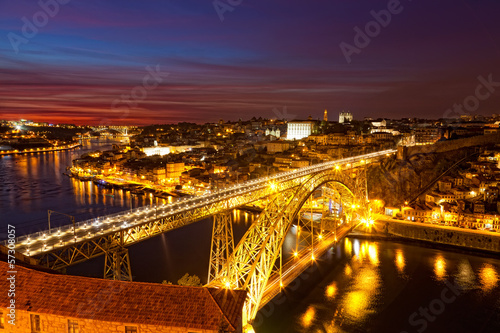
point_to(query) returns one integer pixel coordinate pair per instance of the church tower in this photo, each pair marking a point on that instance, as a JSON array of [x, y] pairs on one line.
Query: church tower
[[325, 116]]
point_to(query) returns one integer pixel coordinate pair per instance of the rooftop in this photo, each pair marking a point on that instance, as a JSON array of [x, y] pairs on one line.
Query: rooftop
[[128, 302]]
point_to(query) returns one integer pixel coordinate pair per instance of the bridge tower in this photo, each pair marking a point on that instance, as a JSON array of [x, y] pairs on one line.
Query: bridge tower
[[222, 243], [117, 265], [117, 260]]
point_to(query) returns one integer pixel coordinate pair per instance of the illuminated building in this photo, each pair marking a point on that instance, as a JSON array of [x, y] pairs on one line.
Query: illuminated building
[[297, 130], [345, 117], [156, 150]]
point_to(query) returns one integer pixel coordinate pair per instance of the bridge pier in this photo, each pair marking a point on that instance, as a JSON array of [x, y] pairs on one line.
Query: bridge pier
[[222, 244], [117, 264]]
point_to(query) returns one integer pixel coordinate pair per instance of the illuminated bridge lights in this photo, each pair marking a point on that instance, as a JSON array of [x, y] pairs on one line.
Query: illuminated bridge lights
[[181, 213]]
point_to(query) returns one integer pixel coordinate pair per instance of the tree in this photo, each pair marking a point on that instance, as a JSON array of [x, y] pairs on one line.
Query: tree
[[188, 280]]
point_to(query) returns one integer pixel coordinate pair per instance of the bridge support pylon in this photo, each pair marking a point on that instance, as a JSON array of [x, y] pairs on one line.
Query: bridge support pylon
[[117, 264], [222, 244]]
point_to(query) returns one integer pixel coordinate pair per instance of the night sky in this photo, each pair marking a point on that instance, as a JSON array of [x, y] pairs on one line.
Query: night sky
[[263, 55]]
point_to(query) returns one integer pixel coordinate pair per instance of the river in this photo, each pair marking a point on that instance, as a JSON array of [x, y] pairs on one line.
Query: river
[[357, 286]]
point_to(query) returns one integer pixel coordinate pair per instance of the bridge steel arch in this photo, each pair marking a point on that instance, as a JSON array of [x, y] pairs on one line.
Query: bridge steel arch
[[252, 261]]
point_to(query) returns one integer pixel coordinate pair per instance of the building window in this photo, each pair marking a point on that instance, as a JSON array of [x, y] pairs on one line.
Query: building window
[[35, 323], [131, 329], [73, 326]]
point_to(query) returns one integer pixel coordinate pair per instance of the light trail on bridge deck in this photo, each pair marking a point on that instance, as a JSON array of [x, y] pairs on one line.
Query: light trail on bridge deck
[[299, 263]]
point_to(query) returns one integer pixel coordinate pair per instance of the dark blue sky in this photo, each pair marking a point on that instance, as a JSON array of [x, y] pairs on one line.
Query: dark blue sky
[[263, 55]]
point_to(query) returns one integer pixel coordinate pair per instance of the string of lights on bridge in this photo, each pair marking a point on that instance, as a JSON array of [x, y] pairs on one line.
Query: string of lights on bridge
[[45, 241]]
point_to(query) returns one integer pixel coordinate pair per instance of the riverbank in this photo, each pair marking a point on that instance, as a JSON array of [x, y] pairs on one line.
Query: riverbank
[[440, 237], [38, 150]]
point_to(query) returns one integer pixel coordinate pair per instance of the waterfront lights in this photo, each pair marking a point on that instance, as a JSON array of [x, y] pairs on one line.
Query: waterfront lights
[[367, 222], [337, 167]]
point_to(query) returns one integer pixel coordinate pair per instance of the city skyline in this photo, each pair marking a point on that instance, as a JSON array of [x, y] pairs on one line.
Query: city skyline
[[204, 62]]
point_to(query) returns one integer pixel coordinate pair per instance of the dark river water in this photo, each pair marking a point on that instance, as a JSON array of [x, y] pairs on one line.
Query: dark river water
[[357, 286]]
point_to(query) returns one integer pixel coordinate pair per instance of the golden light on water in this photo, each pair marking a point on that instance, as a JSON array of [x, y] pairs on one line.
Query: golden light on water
[[348, 270], [373, 253], [331, 291], [488, 277], [440, 267], [365, 290], [355, 303], [400, 261], [348, 246], [308, 317]]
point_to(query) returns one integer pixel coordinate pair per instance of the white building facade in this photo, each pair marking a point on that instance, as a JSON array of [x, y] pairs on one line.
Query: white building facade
[[298, 130]]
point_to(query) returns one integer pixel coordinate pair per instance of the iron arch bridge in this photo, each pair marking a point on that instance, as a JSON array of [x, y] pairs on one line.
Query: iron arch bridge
[[251, 264]]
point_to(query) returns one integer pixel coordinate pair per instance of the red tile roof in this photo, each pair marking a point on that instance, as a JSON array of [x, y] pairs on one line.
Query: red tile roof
[[128, 302]]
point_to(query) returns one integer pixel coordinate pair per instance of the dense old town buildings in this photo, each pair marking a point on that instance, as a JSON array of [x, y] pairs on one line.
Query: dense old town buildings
[[54, 303]]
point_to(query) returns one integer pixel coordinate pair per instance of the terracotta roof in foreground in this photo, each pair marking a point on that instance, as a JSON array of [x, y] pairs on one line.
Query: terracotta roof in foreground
[[127, 302]]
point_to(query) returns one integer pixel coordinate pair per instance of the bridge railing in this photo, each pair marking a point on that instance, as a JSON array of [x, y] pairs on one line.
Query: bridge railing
[[182, 201]]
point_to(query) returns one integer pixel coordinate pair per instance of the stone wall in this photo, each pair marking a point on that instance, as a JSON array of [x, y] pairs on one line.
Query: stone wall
[[449, 145], [57, 324], [470, 239]]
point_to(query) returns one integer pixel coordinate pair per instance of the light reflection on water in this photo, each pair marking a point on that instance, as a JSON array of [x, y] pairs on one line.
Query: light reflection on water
[[440, 267], [331, 290], [465, 275], [308, 317], [488, 276], [357, 293], [400, 261], [355, 300]]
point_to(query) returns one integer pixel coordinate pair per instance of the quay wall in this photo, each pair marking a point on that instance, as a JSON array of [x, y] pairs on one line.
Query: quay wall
[[470, 239]]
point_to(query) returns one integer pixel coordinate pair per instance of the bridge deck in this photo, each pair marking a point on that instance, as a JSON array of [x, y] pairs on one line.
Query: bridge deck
[[67, 245]]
